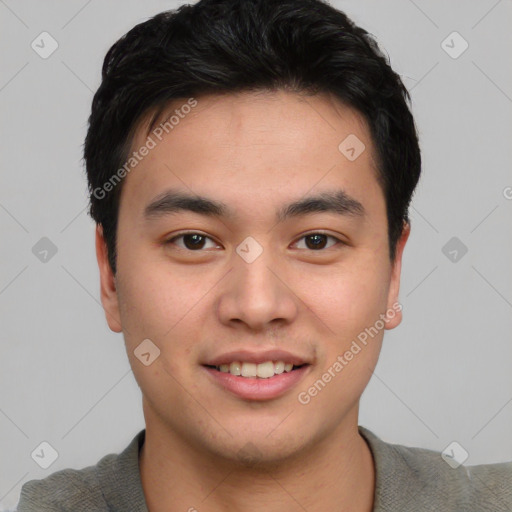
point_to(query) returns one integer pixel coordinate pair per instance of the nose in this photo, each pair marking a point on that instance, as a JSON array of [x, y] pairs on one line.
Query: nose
[[257, 294]]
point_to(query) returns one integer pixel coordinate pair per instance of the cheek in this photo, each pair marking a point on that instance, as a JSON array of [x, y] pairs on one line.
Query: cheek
[[155, 300], [353, 302], [156, 307], [161, 306], [349, 379], [347, 297]]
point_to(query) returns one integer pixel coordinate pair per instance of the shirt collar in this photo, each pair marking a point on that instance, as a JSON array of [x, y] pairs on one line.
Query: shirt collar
[[396, 484], [120, 481]]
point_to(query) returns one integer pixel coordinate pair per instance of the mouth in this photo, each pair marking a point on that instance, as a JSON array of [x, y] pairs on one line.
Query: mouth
[[265, 370], [257, 381]]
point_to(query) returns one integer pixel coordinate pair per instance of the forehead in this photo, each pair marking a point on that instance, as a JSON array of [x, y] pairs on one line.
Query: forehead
[[241, 147]]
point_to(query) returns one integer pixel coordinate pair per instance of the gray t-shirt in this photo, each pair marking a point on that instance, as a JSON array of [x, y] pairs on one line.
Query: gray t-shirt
[[407, 479]]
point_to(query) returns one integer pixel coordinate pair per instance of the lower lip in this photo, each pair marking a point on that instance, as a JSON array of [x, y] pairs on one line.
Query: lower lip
[[253, 388]]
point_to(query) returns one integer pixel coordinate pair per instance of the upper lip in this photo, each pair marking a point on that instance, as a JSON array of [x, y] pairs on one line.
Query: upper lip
[[257, 357]]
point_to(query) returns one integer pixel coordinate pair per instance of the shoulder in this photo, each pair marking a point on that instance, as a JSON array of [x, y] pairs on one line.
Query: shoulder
[[113, 482], [485, 485], [66, 490], [422, 479]]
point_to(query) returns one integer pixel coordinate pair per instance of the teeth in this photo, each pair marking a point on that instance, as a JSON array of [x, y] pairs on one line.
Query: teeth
[[263, 370], [235, 368], [249, 370], [279, 367]]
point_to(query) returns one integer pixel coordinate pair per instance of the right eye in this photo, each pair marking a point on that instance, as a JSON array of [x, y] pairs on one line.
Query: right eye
[[192, 241]]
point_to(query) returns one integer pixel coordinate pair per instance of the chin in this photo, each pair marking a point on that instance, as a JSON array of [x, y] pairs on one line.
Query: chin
[[257, 445]]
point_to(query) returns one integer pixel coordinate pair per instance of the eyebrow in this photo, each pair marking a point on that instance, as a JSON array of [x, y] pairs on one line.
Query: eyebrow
[[173, 201]]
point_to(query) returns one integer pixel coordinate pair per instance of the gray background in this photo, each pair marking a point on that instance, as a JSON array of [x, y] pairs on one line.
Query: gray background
[[444, 373]]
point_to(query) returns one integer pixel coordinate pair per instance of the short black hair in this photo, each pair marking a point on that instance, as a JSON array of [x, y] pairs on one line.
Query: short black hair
[[230, 46]]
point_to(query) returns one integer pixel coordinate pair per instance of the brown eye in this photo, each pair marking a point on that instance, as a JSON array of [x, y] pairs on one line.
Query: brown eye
[[191, 241], [318, 241]]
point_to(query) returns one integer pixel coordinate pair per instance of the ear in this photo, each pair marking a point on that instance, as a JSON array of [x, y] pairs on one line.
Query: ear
[[394, 308], [109, 297]]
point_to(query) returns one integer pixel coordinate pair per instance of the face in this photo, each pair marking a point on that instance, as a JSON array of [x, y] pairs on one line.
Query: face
[[247, 279]]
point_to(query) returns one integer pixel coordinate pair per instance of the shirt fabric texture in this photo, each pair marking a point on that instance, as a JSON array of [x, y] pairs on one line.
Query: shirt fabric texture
[[407, 479]]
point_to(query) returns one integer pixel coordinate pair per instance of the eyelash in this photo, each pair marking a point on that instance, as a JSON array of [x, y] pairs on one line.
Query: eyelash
[[181, 235]]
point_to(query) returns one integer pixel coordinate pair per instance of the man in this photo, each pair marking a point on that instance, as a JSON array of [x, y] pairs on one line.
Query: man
[[251, 164]]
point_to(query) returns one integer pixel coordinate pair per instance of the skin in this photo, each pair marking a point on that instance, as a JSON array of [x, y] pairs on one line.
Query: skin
[[254, 152]]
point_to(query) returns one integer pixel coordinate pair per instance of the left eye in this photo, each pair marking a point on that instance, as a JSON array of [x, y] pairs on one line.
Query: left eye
[[318, 240], [196, 241]]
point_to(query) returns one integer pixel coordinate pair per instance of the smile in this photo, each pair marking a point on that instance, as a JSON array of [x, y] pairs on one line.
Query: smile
[[251, 381], [264, 370]]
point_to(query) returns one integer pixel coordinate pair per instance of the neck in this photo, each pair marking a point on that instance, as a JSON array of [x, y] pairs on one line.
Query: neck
[[336, 473]]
